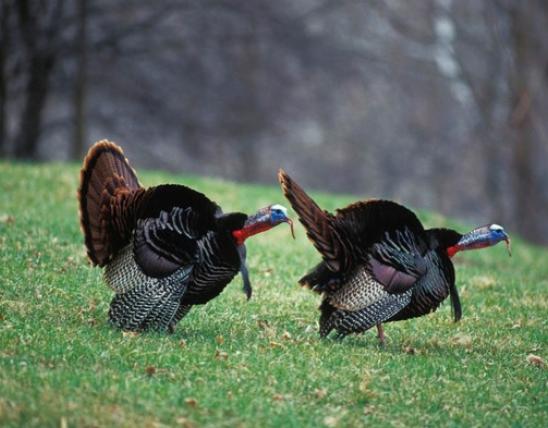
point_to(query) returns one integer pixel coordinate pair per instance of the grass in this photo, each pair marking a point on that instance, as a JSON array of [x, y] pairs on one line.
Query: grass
[[258, 363]]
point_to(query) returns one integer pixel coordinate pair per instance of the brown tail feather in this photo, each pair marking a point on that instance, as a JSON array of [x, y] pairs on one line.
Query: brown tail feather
[[105, 174], [317, 222]]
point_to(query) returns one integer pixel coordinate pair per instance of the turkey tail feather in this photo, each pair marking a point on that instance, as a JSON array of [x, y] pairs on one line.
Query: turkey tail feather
[[317, 223], [105, 173]]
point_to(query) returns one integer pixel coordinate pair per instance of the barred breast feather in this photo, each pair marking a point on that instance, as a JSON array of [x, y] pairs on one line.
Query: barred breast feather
[[143, 302], [358, 304], [361, 290]]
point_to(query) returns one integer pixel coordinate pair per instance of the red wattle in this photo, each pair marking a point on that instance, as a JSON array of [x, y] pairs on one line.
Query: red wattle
[[451, 251], [242, 234], [239, 236]]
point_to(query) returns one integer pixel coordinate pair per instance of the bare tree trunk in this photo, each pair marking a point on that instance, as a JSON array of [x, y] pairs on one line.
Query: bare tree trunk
[[527, 204], [524, 180], [39, 40], [253, 116], [79, 100], [36, 93], [4, 46]]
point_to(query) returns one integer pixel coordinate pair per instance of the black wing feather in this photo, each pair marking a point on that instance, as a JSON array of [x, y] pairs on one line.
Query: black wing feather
[[166, 243]]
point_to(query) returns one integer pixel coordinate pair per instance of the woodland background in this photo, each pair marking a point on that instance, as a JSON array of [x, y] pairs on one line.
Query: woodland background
[[439, 104]]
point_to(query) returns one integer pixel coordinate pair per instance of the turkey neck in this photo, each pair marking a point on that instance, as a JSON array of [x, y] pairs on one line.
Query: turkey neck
[[255, 224]]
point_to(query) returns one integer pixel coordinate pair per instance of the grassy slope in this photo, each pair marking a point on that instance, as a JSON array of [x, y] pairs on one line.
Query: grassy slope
[[233, 363]]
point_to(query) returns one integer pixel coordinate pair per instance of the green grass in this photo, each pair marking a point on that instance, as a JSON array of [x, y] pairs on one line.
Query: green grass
[[257, 363]]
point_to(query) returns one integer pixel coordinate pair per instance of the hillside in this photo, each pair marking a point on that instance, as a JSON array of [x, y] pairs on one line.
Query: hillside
[[256, 363]]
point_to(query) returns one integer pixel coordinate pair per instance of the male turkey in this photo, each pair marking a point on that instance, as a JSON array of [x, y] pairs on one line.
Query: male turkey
[[165, 248], [379, 263]]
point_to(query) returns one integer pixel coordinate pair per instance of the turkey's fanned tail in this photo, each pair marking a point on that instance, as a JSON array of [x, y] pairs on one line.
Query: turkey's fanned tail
[[317, 222], [105, 174]]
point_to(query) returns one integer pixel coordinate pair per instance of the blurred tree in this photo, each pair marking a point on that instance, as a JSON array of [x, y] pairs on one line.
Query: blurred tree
[[39, 30], [80, 83], [38, 36], [438, 103], [529, 81], [6, 7]]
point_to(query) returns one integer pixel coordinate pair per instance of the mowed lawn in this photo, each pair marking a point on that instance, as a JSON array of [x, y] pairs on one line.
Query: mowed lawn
[[258, 363]]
